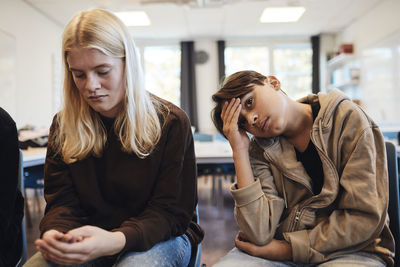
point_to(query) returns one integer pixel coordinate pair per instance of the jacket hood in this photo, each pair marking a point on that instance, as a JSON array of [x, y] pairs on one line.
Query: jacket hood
[[328, 102]]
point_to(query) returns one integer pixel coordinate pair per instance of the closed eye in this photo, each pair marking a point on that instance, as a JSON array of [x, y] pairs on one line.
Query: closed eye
[[103, 73], [78, 75]]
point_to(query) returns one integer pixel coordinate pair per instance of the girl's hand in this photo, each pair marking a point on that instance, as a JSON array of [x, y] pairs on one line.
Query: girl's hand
[[49, 245], [237, 137], [80, 245]]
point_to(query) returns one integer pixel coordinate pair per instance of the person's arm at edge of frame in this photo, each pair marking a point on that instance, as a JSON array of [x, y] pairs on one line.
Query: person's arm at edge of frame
[[9, 157]]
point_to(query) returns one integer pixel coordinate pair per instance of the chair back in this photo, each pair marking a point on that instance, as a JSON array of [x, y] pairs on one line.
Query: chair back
[[394, 200], [195, 257], [21, 188], [202, 137]]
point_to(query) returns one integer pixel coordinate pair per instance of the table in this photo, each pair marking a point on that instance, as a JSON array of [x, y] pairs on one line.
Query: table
[[215, 152], [215, 159], [34, 156], [206, 153]]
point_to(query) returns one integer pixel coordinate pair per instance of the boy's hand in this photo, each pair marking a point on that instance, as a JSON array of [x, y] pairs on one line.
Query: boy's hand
[[277, 250], [237, 137]]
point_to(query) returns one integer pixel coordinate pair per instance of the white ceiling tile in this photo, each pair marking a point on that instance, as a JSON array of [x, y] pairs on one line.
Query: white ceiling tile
[[218, 18]]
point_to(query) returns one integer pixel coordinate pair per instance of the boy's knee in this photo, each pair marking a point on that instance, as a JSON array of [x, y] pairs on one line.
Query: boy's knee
[[37, 260]]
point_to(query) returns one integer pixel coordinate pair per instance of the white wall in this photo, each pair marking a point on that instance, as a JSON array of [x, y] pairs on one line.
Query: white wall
[[207, 82], [37, 39], [379, 23], [376, 39]]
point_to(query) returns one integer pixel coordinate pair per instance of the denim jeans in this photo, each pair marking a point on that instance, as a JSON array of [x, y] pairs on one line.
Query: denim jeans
[[237, 258], [175, 252]]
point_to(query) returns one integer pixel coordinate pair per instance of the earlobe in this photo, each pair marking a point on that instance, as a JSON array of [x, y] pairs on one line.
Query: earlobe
[[272, 80]]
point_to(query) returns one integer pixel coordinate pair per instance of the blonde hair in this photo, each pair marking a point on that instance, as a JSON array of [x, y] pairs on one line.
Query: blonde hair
[[81, 131]]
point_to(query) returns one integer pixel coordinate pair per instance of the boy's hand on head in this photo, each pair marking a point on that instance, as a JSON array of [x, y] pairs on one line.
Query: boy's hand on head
[[237, 137]]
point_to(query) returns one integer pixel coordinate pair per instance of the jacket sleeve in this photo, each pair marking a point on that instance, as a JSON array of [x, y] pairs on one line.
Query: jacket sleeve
[[171, 207], [361, 210], [258, 207], [63, 211]]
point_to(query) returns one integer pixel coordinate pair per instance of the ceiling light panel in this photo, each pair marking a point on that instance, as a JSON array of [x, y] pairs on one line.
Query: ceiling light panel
[[281, 14]]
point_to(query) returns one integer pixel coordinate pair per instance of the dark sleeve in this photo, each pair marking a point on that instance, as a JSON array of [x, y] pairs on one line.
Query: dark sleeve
[[11, 202], [63, 211], [171, 207]]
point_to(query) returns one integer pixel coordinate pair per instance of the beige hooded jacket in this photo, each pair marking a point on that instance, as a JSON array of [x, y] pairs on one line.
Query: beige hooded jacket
[[350, 213]]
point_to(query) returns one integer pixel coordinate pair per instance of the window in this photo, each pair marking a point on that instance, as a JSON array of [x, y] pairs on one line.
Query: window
[[293, 66], [291, 63], [239, 58], [162, 67]]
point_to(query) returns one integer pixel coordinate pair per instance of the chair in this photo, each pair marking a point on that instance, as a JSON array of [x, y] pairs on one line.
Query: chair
[[394, 200], [390, 135], [202, 137], [195, 257], [33, 179], [21, 188]]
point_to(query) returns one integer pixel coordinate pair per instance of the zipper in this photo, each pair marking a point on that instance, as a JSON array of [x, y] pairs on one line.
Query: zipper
[[297, 217], [295, 220]]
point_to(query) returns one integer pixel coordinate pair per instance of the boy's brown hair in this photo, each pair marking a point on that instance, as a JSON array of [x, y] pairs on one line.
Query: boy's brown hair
[[234, 86]]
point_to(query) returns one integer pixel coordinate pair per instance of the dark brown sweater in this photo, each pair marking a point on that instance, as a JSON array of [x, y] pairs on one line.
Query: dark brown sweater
[[149, 200]]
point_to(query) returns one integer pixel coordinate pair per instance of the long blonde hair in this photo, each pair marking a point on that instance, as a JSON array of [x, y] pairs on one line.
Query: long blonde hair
[[81, 131]]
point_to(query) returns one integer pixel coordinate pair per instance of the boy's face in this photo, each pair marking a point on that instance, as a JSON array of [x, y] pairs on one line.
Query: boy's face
[[263, 112]]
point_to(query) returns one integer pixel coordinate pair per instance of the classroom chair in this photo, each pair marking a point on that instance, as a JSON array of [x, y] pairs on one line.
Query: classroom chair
[[33, 179], [21, 188], [195, 257], [202, 137], [394, 199]]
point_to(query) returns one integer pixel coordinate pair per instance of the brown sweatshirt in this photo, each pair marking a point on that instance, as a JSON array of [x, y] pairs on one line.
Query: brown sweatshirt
[[150, 200]]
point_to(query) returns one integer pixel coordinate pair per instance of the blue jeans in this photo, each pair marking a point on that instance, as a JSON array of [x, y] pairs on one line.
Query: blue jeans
[[175, 252], [238, 258]]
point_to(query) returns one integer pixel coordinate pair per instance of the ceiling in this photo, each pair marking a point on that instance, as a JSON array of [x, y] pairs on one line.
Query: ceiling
[[217, 19]]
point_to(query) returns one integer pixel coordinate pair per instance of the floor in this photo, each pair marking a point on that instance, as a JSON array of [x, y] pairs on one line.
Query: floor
[[216, 218]]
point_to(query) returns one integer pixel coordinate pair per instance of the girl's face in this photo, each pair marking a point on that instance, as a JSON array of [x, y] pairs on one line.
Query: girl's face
[[99, 79], [263, 112]]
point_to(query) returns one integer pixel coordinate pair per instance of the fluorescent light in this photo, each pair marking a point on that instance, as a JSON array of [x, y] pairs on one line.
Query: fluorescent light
[[134, 18], [281, 14]]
